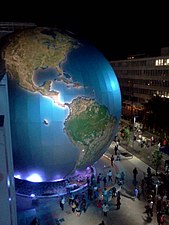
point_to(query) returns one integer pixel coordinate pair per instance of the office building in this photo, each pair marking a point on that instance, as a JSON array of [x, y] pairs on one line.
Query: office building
[[141, 78]]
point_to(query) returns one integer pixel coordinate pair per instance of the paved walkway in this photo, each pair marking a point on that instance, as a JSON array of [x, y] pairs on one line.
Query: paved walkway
[[143, 153], [131, 212]]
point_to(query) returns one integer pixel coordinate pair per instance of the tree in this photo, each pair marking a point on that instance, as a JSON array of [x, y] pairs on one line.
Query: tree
[[156, 114], [157, 159], [127, 135]]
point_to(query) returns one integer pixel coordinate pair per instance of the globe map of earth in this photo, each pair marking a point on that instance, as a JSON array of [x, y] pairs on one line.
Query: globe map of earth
[[64, 101]]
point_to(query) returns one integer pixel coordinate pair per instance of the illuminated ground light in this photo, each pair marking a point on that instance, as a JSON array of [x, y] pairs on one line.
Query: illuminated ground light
[[58, 180], [17, 176], [34, 178], [32, 195]]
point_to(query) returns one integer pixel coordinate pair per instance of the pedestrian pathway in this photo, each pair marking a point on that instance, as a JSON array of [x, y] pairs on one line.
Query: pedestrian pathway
[[130, 213], [144, 153]]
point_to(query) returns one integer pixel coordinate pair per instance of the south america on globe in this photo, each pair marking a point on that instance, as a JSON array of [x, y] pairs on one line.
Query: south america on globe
[[64, 101]]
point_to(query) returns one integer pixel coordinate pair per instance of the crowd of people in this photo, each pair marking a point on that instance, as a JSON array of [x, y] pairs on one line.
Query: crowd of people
[[101, 188], [156, 195]]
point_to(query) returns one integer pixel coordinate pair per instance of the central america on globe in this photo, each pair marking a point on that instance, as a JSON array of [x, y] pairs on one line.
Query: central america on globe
[[64, 101]]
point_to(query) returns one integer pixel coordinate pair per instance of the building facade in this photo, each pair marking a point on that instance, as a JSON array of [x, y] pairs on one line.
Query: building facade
[[8, 215], [142, 78]]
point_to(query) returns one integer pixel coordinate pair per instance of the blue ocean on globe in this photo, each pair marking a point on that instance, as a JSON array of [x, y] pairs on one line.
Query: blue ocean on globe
[[48, 136]]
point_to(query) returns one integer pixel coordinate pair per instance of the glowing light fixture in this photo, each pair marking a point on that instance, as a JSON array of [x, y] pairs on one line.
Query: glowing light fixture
[[32, 195], [17, 176], [34, 178]]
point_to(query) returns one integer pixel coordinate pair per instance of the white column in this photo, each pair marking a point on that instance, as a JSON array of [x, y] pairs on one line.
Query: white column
[[8, 213]]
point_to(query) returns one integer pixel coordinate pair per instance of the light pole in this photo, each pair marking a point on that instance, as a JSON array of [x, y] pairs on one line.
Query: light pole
[[134, 121]]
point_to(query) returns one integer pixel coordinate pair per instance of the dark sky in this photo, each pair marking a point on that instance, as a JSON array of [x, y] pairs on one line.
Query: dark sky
[[116, 30]]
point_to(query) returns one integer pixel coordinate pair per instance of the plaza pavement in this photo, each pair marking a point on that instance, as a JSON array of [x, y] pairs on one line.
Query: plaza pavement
[[130, 213]]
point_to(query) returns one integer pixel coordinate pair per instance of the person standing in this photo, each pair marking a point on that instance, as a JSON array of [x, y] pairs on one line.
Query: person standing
[[109, 176], [118, 158], [122, 177], [99, 204], [104, 181], [35, 222], [83, 205], [102, 223], [149, 172], [95, 191], [160, 218], [135, 193], [68, 187], [115, 149], [90, 193], [99, 178], [105, 195], [71, 198], [135, 172], [62, 203], [88, 181], [112, 160], [114, 192], [118, 202], [78, 211], [73, 206]]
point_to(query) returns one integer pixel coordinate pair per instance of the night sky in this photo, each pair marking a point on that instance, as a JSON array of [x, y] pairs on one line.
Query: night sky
[[117, 30]]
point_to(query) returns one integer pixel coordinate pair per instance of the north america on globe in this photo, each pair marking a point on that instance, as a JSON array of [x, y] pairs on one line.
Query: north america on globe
[[64, 99]]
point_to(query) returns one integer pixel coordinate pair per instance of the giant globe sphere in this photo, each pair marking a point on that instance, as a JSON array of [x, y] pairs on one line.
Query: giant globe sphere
[[64, 100]]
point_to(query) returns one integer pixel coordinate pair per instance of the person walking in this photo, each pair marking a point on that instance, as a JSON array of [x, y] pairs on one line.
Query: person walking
[[105, 208]]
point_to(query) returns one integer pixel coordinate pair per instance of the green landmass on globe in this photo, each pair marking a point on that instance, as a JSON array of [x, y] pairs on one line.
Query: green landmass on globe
[[90, 127]]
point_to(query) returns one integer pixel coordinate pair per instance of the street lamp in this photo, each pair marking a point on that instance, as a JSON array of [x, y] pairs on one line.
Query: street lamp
[[134, 121]]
